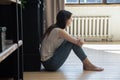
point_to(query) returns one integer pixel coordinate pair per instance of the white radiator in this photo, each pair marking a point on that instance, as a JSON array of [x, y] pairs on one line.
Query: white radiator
[[90, 27]]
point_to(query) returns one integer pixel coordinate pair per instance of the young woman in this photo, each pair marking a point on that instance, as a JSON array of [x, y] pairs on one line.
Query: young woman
[[57, 44]]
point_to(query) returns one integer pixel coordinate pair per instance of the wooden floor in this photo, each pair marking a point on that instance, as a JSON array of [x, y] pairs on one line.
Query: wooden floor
[[104, 55]]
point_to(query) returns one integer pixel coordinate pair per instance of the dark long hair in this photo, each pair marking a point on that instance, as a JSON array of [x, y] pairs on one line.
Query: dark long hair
[[61, 20]]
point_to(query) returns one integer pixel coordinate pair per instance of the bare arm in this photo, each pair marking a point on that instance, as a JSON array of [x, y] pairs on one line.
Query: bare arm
[[69, 38]]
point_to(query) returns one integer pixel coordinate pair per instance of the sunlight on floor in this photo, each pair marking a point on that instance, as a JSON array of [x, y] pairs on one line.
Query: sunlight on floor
[[111, 48], [103, 47], [117, 52]]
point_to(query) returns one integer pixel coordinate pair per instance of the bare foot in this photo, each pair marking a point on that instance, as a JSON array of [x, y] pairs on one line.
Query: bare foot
[[92, 68], [87, 65]]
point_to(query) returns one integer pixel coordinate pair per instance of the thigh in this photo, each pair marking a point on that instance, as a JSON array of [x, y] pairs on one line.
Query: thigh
[[63, 51]]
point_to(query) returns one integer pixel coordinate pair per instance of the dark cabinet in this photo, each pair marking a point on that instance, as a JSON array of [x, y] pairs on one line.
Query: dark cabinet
[[32, 31], [11, 57]]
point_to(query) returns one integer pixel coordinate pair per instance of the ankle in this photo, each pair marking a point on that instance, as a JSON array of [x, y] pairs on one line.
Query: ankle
[[86, 62], [87, 65]]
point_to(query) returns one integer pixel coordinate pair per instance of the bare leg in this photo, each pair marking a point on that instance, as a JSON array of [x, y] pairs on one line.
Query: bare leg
[[87, 65]]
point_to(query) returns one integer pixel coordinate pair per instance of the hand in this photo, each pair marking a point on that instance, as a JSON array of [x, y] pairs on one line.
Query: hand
[[80, 42]]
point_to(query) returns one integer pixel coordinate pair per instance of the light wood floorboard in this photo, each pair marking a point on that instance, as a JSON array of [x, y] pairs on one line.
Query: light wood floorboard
[[73, 70]]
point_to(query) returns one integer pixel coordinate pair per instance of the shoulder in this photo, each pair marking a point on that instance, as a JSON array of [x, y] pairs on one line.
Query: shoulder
[[58, 30]]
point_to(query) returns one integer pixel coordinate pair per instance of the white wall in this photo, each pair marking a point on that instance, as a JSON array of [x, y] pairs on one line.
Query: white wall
[[100, 10]]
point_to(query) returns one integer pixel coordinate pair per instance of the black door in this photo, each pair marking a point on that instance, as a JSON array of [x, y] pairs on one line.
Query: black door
[[32, 31]]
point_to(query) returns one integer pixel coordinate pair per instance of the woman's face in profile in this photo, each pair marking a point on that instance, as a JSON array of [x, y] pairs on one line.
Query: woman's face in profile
[[69, 21]]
